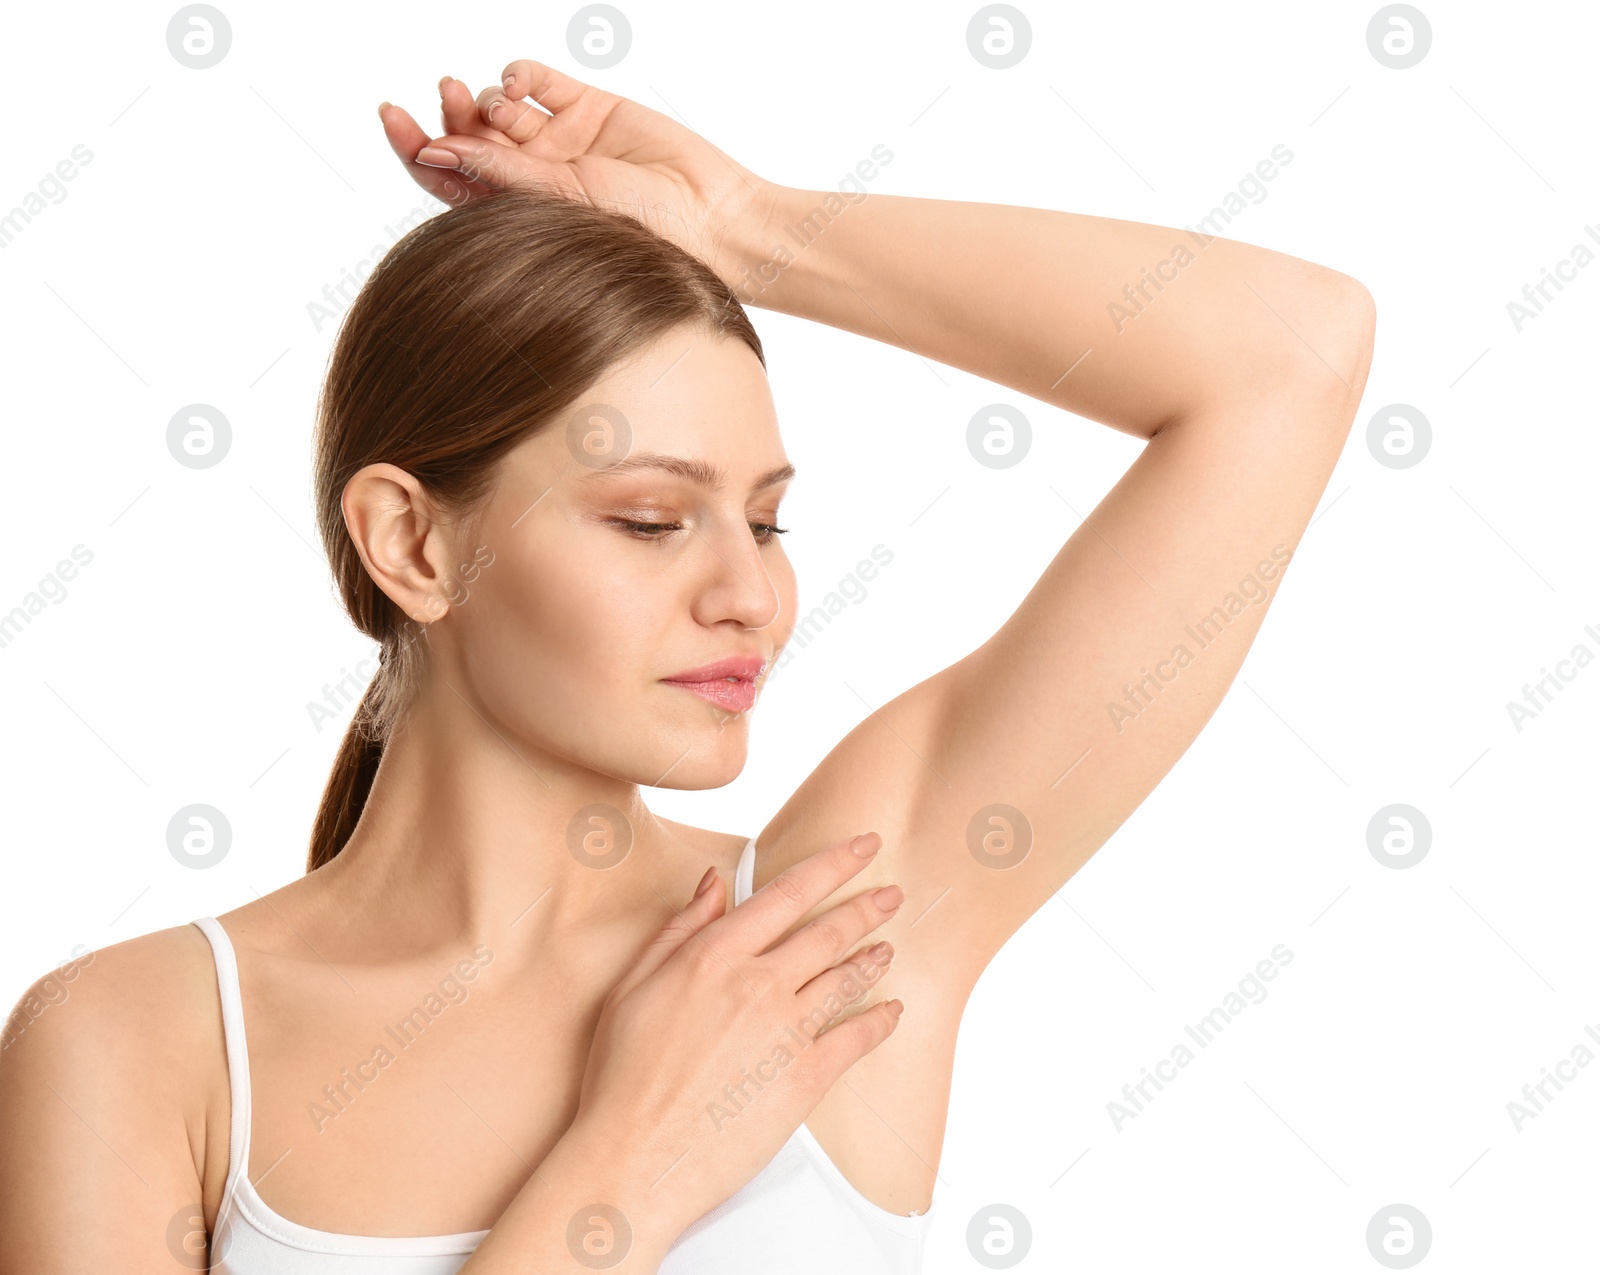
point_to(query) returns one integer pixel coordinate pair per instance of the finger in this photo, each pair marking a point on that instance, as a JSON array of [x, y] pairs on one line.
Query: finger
[[823, 1000], [775, 907], [407, 140], [496, 165], [457, 107], [545, 85], [826, 939], [840, 1048], [405, 135], [685, 924], [519, 121]]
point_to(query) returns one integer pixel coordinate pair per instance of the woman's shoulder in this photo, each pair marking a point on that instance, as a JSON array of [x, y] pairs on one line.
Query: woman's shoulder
[[125, 1038], [159, 983], [113, 1086]]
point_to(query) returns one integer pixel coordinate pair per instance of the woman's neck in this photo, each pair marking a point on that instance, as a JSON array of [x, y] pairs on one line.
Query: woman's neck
[[468, 837]]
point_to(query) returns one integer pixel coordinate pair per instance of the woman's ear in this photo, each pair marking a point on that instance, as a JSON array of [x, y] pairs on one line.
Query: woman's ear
[[402, 541]]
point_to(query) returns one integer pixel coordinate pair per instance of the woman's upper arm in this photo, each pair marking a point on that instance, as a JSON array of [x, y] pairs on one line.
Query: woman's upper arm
[[98, 1066], [994, 780]]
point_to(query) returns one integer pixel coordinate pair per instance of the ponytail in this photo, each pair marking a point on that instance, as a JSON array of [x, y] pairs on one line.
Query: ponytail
[[349, 782]]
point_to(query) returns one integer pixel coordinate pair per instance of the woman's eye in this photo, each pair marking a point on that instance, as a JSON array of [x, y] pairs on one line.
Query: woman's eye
[[765, 532], [647, 530]]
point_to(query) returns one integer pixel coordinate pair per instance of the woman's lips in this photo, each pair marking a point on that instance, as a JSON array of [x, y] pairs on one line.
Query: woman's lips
[[735, 695], [728, 683]]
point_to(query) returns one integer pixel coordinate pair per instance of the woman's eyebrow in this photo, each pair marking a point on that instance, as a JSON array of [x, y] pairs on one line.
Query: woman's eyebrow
[[696, 471]]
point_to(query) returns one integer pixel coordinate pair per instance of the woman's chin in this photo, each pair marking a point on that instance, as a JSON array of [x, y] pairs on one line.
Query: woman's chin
[[713, 759]]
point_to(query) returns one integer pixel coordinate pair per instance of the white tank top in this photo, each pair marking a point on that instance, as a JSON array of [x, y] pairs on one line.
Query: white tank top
[[799, 1214]]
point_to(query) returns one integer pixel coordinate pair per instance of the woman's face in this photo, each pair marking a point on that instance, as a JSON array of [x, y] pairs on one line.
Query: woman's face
[[570, 619]]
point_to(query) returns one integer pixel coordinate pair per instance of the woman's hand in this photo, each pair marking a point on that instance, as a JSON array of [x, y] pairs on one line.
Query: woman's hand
[[712, 1050], [590, 143]]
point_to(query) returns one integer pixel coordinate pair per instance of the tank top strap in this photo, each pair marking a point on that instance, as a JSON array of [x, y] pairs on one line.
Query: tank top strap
[[745, 874], [234, 1043]]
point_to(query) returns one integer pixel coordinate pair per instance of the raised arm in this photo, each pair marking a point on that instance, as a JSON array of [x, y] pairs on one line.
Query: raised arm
[[1137, 326], [1241, 366], [994, 780]]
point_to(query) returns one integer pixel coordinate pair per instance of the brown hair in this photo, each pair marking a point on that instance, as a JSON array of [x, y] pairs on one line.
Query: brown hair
[[473, 333]]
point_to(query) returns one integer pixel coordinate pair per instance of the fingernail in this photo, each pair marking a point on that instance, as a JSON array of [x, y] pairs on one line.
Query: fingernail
[[889, 898], [434, 157], [896, 1008], [506, 83], [381, 106], [862, 845], [443, 80], [883, 953], [495, 106], [705, 882]]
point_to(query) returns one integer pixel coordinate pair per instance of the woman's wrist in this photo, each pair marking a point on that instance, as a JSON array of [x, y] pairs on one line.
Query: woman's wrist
[[588, 1205], [633, 1180], [757, 246]]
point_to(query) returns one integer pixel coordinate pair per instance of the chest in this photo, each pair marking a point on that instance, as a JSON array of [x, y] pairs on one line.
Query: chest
[[406, 1106]]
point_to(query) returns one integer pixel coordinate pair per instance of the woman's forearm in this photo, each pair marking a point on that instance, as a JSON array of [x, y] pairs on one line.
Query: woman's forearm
[[1131, 324]]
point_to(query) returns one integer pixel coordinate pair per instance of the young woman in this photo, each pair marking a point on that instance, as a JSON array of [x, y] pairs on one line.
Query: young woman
[[496, 1027]]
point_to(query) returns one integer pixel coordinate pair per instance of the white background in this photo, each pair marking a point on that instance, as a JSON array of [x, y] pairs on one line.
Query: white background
[[218, 203]]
